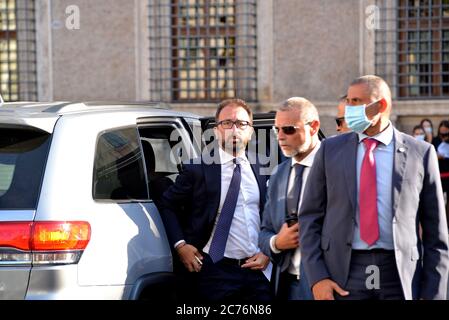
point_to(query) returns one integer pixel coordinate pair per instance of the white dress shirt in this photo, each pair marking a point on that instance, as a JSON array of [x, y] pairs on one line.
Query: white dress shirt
[[307, 162], [244, 232]]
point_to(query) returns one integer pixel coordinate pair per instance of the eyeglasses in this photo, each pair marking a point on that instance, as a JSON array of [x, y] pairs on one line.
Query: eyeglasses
[[227, 124], [288, 130], [339, 121], [444, 135]]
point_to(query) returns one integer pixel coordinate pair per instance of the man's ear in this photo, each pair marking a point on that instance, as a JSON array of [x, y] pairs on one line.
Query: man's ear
[[375, 108], [216, 133], [314, 127], [383, 105]]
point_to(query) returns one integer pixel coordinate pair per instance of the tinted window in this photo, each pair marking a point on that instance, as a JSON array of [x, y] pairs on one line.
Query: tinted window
[[118, 168], [162, 149], [23, 154]]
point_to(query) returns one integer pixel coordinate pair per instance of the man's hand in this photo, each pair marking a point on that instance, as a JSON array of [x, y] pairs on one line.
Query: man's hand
[[287, 237], [189, 256], [324, 290], [257, 262]]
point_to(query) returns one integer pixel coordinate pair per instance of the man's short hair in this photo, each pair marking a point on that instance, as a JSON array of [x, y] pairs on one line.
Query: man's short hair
[[374, 84], [237, 102], [377, 88], [308, 111]]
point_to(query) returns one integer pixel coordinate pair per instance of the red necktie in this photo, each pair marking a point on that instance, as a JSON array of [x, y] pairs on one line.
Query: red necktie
[[369, 225]]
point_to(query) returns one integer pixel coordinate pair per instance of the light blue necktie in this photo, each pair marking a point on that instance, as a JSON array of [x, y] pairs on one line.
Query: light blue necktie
[[218, 244]]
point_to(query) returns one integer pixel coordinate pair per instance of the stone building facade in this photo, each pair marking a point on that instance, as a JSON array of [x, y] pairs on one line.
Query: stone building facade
[[192, 53]]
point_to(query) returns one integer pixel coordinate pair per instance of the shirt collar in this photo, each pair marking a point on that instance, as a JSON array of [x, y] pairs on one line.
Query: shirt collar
[[384, 137], [307, 161], [226, 157]]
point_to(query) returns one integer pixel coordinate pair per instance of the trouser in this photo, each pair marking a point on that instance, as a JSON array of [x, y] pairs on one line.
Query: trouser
[[373, 275], [226, 281]]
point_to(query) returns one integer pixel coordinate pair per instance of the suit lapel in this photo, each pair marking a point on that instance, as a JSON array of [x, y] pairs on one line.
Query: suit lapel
[[400, 161], [212, 177], [350, 162], [255, 167], [261, 183], [283, 189]]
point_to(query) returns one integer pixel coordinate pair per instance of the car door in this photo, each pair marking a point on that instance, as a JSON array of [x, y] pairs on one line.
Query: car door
[[126, 240], [166, 143]]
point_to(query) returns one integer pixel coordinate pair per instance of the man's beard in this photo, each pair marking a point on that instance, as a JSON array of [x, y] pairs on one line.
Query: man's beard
[[232, 146], [290, 153], [299, 150]]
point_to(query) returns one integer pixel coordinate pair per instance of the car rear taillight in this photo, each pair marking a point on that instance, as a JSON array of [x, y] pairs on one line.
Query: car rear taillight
[[53, 242], [15, 235]]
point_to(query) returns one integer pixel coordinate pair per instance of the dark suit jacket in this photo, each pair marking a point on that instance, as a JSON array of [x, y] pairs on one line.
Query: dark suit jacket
[[275, 214], [327, 215], [189, 207]]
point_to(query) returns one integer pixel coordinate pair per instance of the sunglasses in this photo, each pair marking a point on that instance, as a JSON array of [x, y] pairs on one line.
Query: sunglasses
[[339, 121], [288, 130], [444, 135]]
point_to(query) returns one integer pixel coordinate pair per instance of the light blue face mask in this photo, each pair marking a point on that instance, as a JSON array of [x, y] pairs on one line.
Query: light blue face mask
[[356, 118], [421, 137]]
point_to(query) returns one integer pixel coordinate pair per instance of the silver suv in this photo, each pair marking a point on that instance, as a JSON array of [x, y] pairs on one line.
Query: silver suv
[[78, 188]]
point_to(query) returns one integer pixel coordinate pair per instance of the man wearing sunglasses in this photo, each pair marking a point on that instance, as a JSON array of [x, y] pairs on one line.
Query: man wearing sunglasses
[[367, 194], [296, 126], [341, 125], [212, 215]]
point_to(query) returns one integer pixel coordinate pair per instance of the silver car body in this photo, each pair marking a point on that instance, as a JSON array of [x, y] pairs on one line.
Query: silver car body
[[128, 242]]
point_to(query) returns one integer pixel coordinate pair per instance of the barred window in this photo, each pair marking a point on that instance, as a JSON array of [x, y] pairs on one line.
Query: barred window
[[17, 50], [202, 50], [414, 50]]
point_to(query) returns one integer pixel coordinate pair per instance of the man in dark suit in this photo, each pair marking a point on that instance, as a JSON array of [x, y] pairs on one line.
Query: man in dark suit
[[367, 195], [297, 124], [212, 214]]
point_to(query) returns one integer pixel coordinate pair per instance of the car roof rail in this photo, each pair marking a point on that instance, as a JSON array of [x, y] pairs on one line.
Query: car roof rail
[[2, 102]]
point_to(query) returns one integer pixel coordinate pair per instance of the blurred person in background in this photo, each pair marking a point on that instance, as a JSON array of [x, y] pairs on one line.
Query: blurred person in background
[[341, 125], [419, 133], [427, 125], [441, 144]]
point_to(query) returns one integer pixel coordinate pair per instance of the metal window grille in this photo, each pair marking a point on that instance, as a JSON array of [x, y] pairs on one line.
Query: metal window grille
[[202, 50], [17, 50], [412, 47]]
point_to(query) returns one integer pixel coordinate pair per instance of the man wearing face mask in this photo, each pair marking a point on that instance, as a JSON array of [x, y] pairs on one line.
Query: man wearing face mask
[[366, 195], [427, 125]]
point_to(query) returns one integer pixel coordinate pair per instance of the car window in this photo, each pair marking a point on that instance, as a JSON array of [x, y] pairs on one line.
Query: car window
[[118, 168], [163, 151], [23, 154]]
